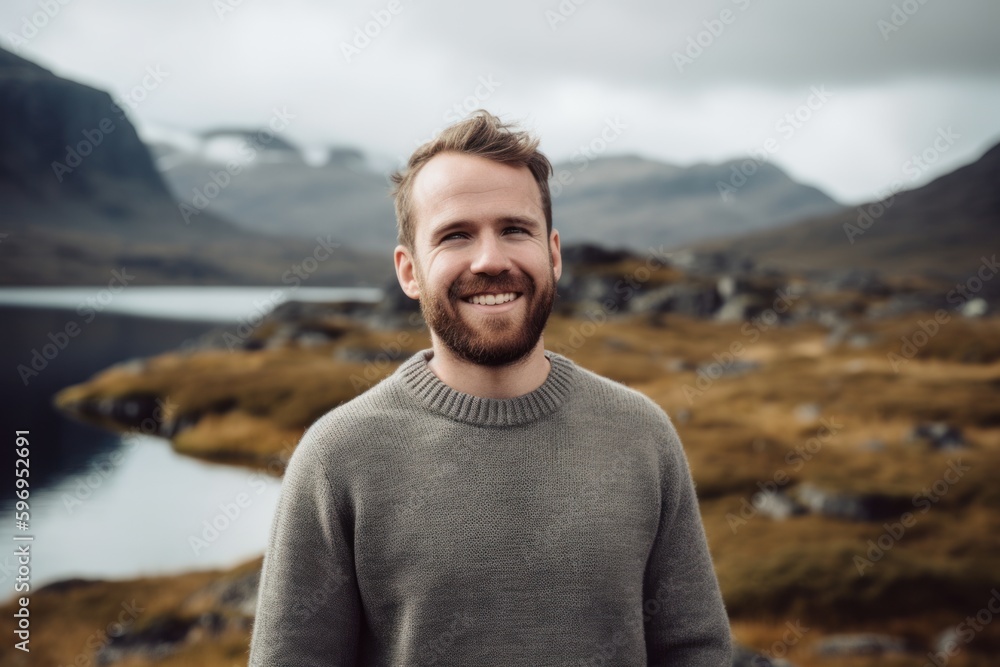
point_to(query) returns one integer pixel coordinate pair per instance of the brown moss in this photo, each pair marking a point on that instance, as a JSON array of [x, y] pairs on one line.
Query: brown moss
[[71, 620], [739, 432]]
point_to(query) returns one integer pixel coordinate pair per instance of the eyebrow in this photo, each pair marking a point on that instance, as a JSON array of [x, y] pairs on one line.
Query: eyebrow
[[463, 223]]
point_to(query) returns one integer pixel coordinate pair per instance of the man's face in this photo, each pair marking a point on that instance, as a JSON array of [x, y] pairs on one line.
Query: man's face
[[480, 230]]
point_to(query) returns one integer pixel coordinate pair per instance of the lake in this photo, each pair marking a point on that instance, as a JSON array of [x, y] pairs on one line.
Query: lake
[[206, 304], [107, 506]]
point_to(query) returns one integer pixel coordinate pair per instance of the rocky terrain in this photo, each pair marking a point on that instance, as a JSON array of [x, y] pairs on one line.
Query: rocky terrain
[[941, 228], [843, 434]]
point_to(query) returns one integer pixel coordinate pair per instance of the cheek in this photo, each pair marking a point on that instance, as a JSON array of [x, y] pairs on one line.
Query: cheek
[[542, 267], [440, 279]]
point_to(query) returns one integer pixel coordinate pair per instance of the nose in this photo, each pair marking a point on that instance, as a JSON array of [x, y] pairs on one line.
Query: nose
[[490, 256]]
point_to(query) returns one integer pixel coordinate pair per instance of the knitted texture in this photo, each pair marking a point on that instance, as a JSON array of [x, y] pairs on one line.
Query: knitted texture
[[419, 525]]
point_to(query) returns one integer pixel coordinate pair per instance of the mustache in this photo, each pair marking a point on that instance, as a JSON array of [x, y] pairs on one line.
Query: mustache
[[466, 289]]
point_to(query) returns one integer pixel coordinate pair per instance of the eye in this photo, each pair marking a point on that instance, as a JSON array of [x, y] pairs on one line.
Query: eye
[[518, 229]]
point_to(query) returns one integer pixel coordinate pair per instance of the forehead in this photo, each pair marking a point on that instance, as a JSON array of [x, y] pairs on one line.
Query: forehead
[[455, 186]]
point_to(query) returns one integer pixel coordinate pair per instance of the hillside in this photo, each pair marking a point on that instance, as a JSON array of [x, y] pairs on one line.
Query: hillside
[[82, 196], [279, 193], [626, 201], [71, 160], [942, 228], [638, 203]]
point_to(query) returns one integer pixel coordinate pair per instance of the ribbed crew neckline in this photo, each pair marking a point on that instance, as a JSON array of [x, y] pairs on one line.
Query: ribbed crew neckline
[[421, 381]]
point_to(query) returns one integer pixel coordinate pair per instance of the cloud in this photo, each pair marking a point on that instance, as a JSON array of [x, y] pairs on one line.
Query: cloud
[[751, 63]]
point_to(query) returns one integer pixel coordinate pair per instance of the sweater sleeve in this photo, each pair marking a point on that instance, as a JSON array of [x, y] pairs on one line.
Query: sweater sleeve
[[308, 607], [687, 625]]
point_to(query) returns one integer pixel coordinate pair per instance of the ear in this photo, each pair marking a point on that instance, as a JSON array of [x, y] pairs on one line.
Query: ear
[[406, 272], [556, 254]]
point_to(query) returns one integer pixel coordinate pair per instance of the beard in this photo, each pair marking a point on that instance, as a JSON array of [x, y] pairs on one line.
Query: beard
[[499, 339]]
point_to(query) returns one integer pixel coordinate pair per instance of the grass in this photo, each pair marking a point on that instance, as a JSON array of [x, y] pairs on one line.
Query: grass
[[739, 432], [71, 620]]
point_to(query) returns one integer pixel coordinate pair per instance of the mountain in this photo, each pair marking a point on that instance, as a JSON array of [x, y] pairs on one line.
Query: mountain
[[940, 229], [279, 192], [71, 159], [82, 196], [81, 190], [633, 202], [626, 201]]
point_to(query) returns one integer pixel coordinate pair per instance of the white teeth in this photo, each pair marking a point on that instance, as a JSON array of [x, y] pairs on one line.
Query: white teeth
[[490, 300]]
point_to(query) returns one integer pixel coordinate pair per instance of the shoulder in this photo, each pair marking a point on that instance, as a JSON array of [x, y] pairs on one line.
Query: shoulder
[[610, 396], [351, 430], [638, 419]]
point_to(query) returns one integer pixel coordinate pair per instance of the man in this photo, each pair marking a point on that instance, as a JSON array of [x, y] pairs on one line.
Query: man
[[490, 502]]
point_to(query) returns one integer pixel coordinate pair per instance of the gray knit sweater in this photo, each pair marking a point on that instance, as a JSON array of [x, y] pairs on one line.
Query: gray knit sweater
[[419, 525]]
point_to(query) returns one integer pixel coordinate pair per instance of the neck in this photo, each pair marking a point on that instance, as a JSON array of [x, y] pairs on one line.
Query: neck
[[516, 379]]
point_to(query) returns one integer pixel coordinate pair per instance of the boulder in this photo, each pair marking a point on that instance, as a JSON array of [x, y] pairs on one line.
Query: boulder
[[692, 299], [974, 307], [859, 644], [937, 435], [715, 369], [589, 254], [740, 308], [744, 657], [850, 506], [778, 505]]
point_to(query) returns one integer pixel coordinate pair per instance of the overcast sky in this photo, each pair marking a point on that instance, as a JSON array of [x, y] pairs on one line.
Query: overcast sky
[[841, 94]]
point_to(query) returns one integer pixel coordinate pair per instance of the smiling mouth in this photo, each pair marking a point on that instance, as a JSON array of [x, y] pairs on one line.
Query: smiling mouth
[[492, 299]]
